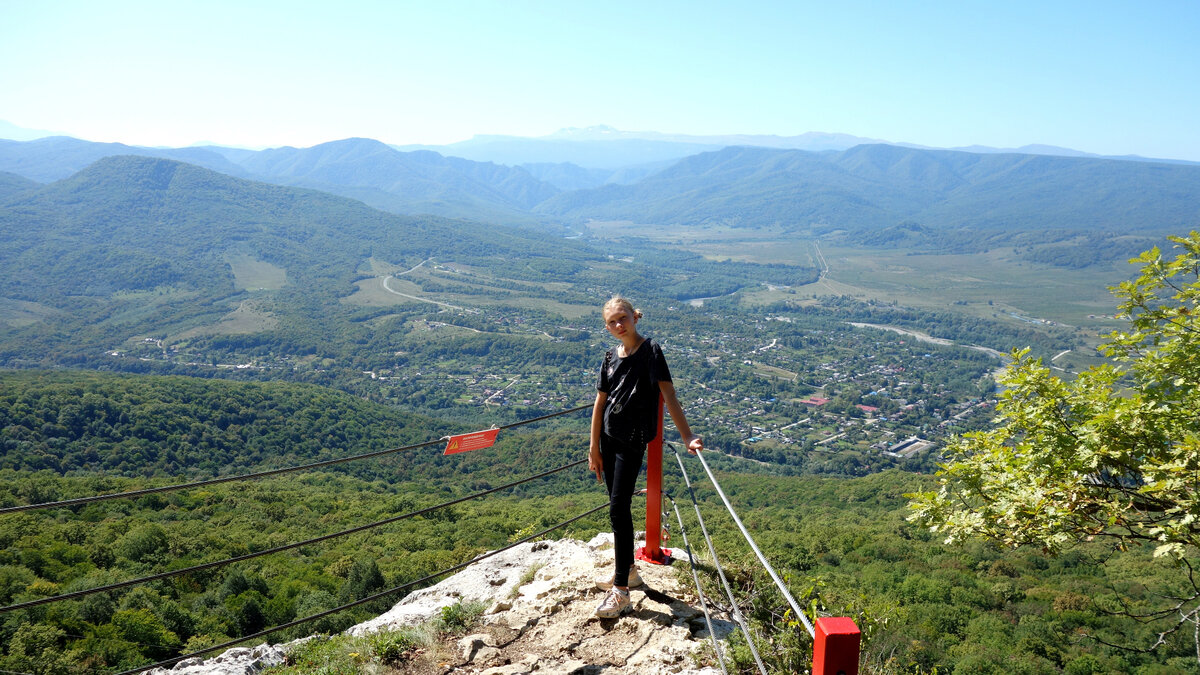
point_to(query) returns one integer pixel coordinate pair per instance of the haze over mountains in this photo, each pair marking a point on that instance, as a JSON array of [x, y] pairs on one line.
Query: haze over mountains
[[56, 157], [873, 186], [603, 147], [137, 244], [862, 187]]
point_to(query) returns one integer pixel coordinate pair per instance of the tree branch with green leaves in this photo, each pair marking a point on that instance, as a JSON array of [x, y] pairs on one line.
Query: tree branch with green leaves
[[1112, 455]]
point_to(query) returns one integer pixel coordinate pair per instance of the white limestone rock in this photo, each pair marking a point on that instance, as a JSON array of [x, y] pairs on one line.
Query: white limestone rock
[[541, 597], [477, 583], [236, 661]]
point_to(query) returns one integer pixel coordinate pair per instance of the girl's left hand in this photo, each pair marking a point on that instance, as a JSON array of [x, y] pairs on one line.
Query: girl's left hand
[[695, 444], [596, 463]]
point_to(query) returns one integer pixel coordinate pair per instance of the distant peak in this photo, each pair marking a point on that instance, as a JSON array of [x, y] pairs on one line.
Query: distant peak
[[10, 131], [588, 133], [355, 141], [130, 171]]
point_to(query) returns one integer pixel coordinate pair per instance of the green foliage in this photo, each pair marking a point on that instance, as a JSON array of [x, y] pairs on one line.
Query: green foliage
[[353, 655], [134, 626], [37, 649], [843, 546], [324, 655], [922, 606], [363, 579], [1113, 455], [142, 544], [390, 647], [142, 627], [146, 425], [459, 617]]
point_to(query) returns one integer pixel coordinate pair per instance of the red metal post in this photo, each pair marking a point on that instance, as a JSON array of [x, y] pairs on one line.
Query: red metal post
[[835, 646], [652, 551]]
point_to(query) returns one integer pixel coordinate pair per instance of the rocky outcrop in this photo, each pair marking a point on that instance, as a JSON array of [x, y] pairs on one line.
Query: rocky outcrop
[[236, 661], [540, 597]]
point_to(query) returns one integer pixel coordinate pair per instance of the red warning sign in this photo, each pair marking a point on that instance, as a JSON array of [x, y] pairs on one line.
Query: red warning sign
[[477, 440]]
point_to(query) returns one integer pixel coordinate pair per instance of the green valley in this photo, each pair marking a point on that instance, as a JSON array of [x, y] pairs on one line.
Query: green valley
[[162, 322]]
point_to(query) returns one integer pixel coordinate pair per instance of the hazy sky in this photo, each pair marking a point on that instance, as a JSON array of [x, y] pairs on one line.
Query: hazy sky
[[1103, 77]]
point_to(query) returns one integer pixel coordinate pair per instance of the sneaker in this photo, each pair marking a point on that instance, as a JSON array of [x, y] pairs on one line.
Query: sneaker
[[615, 603], [635, 580]]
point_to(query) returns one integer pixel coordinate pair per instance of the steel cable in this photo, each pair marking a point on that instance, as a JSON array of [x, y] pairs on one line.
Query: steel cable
[[750, 540], [699, 592], [260, 474], [277, 549], [734, 609], [531, 420], [362, 601]]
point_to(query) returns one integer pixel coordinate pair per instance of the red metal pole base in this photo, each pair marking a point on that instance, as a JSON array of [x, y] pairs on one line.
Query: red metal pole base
[[646, 554], [835, 648]]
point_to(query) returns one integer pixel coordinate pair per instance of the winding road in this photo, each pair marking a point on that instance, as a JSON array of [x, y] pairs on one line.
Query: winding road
[[389, 289]]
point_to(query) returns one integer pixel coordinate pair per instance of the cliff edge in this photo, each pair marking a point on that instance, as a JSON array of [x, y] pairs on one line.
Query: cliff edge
[[539, 598]]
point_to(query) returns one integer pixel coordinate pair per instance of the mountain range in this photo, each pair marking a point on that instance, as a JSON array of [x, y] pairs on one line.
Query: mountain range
[[607, 148], [56, 157], [362, 169], [136, 245], [179, 214], [864, 187], [874, 186]]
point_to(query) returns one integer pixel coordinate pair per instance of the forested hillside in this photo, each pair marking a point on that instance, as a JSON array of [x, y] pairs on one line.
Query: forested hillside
[[844, 543], [144, 246], [97, 428], [92, 423], [362, 169], [12, 184], [857, 190], [134, 248], [873, 186], [182, 219]]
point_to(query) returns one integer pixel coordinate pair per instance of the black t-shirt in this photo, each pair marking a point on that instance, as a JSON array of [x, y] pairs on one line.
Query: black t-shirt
[[632, 387]]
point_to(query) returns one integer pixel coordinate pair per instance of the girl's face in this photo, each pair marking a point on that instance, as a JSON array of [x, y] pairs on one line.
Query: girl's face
[[620, 323]]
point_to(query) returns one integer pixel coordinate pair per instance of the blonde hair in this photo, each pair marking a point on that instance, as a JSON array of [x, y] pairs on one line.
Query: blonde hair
[[621, 302]]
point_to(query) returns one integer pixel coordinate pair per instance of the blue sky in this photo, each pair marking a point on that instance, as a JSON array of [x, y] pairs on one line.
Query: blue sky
[[1103, 77]]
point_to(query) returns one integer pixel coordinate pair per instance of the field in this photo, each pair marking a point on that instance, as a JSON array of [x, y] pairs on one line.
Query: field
[[372, 293], [247, 318], [989, 284], [17, 313], [252, 274], [459, 287], [996, 285]]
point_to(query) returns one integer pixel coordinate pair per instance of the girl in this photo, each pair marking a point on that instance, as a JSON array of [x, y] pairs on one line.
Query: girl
[[623, 421]]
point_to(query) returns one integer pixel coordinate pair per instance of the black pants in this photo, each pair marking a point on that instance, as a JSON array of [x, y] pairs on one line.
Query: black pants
[[622, 464]]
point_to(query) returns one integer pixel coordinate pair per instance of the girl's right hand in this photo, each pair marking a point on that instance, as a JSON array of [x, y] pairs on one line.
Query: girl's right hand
[[596, 463]]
